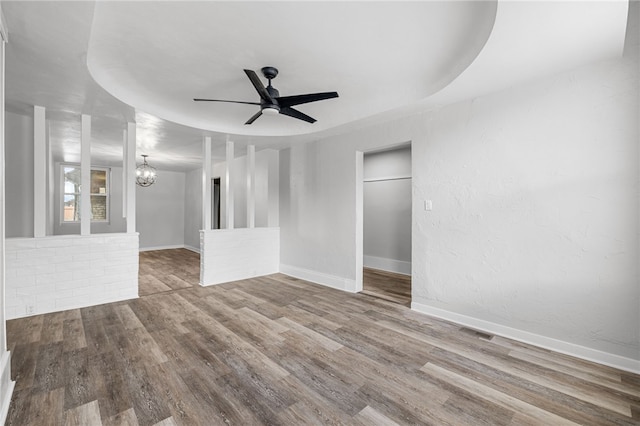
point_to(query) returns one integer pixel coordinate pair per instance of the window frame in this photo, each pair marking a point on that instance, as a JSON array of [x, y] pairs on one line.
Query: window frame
[[107, 194]]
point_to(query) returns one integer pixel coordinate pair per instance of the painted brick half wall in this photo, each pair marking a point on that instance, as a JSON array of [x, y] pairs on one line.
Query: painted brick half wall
[[237, 254], [62, 272]]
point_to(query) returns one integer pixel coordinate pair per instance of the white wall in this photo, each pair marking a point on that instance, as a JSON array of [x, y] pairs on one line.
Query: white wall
[[6, 384], [193, 209], [267, 188], [387, 210], [18, 171], [160, 211], [534, 228]]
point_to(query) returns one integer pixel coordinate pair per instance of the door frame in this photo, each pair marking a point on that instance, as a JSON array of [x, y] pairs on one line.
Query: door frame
[[359, 207]]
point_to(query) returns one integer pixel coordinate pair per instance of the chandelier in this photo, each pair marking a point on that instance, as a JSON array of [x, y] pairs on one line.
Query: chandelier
[[145, 174]]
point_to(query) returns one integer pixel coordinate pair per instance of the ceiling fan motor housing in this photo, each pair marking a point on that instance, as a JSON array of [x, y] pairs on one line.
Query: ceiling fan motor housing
[[273, 92]]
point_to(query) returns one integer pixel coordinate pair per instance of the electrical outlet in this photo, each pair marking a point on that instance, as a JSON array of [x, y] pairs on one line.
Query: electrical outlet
[[31, 310]]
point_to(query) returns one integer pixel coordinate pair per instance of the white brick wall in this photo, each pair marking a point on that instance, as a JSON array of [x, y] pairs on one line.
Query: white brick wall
[[69, 271], [236, 254]]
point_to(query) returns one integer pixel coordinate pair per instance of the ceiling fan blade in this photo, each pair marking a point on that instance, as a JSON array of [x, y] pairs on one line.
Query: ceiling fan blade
[[221, 100], [287, 101], [296, 114], [262, 91], [254, 118]]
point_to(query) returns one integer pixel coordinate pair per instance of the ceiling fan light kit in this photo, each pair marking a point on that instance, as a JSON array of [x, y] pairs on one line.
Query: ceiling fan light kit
[[271, 103]]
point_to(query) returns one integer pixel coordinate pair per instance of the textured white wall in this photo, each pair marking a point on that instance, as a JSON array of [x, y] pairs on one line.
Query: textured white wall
[[535, 207], [160, 211]]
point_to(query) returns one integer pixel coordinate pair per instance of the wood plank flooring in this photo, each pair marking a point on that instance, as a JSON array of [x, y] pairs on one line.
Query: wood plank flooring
[[166, 270], [280, 351], [387, 285]]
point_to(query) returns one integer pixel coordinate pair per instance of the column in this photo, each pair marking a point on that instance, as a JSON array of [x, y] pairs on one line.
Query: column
[[229, 186], [131, 177], [124, 173], [85, 176], [39, 172], [206, 183], [251, 186]]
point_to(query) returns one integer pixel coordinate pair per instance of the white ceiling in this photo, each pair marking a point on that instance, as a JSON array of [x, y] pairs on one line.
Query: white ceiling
[[144, 61]]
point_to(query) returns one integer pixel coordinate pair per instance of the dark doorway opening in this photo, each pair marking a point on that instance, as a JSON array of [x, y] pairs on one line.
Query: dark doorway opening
[[215, 200]]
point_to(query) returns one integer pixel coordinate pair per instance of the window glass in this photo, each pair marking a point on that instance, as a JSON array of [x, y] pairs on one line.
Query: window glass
[[99, 196]]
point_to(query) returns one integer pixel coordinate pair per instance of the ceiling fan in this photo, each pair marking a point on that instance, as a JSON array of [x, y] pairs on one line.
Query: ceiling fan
[[271, 103]]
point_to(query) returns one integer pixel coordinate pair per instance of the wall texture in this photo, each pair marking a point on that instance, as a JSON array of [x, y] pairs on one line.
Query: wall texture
[[534, 228], [160, 211], [387, 210], [193, 209]]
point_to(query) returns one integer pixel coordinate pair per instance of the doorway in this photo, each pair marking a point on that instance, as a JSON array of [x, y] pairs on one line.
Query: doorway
[[215, 203], [386, 204]]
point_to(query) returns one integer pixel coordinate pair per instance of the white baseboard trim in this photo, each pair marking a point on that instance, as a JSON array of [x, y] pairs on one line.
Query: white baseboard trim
[[194, 249], [177, 246], [390, 265], [6, 385], [594, 355], [321, 278]]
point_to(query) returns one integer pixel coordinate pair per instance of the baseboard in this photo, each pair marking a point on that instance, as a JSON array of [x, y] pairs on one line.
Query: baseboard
[[321, 278], [184, 246], [197, 250], [390, 265], [6, 386], [594, 355], [177, 246]]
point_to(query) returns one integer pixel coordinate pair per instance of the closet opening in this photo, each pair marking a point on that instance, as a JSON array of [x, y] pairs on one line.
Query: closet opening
[[386, 204]]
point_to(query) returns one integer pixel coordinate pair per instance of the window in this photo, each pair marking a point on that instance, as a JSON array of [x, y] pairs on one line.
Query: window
[[71, 194]]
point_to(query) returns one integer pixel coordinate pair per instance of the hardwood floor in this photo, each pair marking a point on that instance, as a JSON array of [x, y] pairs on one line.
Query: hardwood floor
[[281, 351], [387, 285], [167, 270]]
